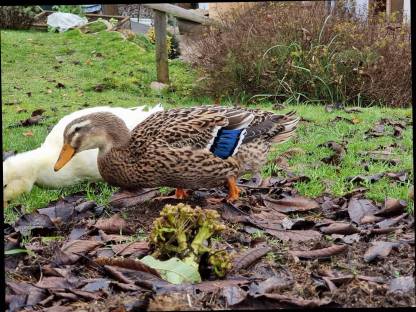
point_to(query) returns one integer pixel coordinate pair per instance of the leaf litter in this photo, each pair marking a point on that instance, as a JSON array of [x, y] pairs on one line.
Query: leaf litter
[[98, 258]]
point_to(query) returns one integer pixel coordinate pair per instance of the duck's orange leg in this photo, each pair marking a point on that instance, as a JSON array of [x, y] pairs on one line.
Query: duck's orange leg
[[180, 193], [233, 190]]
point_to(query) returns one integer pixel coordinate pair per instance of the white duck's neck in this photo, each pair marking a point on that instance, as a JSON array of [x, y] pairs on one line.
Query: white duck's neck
[[30, 163]]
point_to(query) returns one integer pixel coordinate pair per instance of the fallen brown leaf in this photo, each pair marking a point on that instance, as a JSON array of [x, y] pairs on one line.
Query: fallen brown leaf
[[290, 204], [300, 302], [296, 224], [379, 249], [77, 232], [205, 286], [390, 222], [370, 219], [86, 294], [339, 118], [295, 235], [55, 282], [61, 210], [127, 199], [38, 112], [400, 176], [127, 249], [402, 284], [270, 285], [33, 222], [320, 253], [347, 239], [28, 133], [80, 246], [392, 206], [72, 251], [282, 160], [127, 264], [247, 258], [337, 156], [34, 120], [141, 278], [266, 220], [113, 225], [20, 110], [340, 228], [366, 179], [99, 88], [32, 294], [113, 237], [58, 308], [233, 214], [358, 208], [233, 295], [384, 230]]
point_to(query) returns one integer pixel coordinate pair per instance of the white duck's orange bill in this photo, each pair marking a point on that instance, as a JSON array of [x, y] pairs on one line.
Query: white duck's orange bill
[[66, 155]]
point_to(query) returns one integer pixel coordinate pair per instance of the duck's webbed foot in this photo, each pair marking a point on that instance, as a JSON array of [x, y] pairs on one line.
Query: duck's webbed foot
[[181, 193], [233, 190]]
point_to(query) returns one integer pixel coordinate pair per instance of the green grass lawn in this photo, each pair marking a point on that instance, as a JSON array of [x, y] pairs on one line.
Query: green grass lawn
[[33, 63]]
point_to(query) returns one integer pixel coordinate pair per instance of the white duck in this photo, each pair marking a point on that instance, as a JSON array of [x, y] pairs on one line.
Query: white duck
[[22, 171]]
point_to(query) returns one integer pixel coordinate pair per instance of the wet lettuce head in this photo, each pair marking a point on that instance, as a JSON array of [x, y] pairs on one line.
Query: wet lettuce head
[[184, 232]]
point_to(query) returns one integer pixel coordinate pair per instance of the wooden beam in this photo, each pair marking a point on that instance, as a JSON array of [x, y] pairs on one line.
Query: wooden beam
[[161, 47], [181, 13]]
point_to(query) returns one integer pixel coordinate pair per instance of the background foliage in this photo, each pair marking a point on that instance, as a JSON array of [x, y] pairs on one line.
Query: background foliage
[[288, 51]]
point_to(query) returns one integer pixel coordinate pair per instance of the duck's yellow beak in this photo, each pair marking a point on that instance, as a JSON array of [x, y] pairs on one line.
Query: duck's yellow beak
[[66, 155]]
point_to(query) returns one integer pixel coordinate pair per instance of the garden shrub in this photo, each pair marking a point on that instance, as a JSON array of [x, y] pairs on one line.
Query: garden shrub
[[17, 17], [291, 52], [171, 41]]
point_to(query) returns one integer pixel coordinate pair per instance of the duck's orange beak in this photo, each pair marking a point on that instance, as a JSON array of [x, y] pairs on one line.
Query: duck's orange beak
[[66, 155]]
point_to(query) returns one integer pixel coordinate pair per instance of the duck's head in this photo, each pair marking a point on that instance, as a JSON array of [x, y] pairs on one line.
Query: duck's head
[[99, 130]]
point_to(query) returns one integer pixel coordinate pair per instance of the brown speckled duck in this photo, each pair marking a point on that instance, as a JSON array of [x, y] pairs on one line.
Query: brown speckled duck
[[185, 148]]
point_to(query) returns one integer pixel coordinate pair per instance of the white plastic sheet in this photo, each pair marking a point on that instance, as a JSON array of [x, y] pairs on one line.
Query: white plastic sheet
[[65, 21]]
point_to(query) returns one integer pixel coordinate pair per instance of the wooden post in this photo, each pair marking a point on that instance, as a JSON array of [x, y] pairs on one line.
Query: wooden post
[[161, 47], [110, 9]]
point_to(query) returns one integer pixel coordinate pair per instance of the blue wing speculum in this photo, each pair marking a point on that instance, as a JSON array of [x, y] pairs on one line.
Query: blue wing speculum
[[226, 142]]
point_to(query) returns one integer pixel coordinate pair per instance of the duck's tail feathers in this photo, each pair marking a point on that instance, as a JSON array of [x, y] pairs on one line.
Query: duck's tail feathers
[[279, 128], [289, 123]]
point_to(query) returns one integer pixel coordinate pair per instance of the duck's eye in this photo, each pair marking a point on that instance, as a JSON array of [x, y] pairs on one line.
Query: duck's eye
[[77, 129]]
